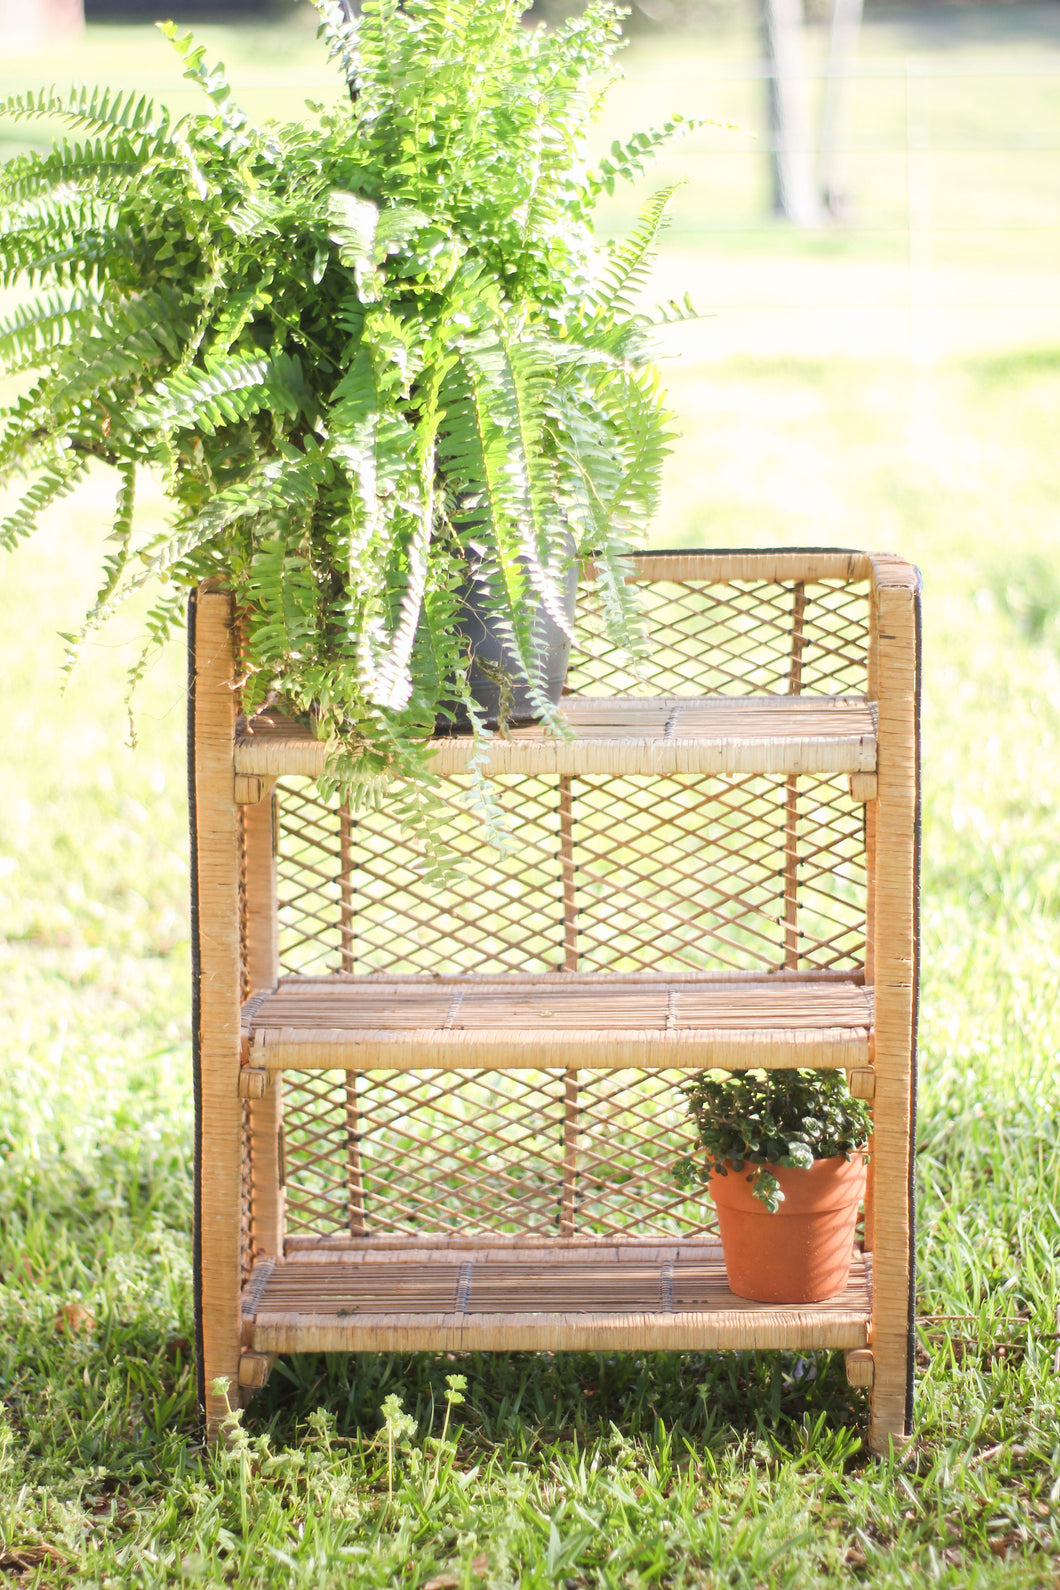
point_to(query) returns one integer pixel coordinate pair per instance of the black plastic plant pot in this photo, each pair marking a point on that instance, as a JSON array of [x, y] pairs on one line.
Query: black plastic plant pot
[[499, 688]]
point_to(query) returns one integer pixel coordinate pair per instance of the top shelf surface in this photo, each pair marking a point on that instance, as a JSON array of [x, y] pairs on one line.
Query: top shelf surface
[[723, 735]]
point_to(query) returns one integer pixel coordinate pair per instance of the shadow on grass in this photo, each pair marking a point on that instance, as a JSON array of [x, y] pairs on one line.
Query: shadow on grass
[[530, 1401]]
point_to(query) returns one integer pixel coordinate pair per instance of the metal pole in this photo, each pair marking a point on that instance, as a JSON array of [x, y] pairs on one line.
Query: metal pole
[[835, 115], [794, 193]]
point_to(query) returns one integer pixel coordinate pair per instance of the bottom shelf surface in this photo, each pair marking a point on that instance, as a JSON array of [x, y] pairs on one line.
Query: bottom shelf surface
[[625, 1297]]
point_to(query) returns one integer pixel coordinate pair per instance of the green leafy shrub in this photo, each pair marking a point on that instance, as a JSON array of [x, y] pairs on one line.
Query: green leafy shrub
[[766, 1118], [363, 352]]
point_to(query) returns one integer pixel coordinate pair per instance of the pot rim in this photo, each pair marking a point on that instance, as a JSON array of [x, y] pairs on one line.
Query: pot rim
[[828, 1184]]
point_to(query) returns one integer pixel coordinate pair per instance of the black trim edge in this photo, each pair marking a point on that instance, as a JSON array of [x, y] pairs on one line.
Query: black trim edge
[[914, 1055], [740, 552]]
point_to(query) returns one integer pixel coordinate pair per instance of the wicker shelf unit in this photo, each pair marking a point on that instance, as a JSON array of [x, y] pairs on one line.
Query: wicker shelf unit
[[444, 1116]]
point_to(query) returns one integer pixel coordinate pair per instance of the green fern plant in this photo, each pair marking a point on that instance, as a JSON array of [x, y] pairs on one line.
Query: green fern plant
[[360, 351]]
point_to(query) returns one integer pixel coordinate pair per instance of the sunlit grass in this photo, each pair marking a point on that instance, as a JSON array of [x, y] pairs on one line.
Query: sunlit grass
[[736, 1469]]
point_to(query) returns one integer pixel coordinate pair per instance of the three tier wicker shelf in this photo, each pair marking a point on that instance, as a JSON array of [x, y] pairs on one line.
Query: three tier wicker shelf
[[445, 1116]]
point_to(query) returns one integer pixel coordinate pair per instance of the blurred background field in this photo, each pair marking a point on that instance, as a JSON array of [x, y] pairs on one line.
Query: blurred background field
[[891, 381]]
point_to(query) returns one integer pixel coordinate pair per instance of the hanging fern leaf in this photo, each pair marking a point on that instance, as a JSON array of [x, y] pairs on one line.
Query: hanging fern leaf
[[631, 260], [54, 481]]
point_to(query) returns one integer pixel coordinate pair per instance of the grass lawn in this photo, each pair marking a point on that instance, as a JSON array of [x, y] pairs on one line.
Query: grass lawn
[[742, 1470]]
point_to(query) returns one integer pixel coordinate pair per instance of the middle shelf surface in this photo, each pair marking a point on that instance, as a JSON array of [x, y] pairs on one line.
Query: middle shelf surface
[[560, 1019], [724, 735], [581, 1296]]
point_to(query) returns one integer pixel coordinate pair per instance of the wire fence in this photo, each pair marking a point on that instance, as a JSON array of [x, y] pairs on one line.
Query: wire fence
[[949, 235]]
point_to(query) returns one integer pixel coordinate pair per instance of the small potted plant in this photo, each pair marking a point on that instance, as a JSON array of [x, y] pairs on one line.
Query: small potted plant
[[783, 1153], [388, 374]]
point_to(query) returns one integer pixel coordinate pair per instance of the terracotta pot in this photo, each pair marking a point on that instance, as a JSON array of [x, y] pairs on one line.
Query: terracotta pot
[[802, 1253]]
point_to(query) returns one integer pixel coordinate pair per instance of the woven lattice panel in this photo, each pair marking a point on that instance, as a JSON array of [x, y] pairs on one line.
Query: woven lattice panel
[[604, 874], [527, 1153], [745, 638]]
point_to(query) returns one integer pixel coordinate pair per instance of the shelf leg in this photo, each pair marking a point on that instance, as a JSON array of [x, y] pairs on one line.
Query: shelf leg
[[263, 971], [217, 996], [870, 958], [894, 970]]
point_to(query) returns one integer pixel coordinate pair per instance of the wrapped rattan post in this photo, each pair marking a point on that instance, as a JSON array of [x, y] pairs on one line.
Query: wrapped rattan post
[[894, 975], [262, 972], [791, 791], [870, 961], [218, 1040]]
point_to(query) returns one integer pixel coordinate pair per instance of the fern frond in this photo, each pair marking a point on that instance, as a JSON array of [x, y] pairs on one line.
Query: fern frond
[[211, 80], [275, 491], [238, 310], [85, 260], [76, 174], [55, 480], [34, 331], [631, 260], [26, 437], [627, 161], [675, 311], [620, 605], [509, 381], [225, 392], [482, 446], [164, 618], [394, 684], [134, 337], [98, 109], [376, 447], [121, 533], [281, 590], [340, 35], [113, 567]]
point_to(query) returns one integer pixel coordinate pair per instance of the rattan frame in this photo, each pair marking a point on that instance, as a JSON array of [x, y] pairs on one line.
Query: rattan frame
[[240, 1246]]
